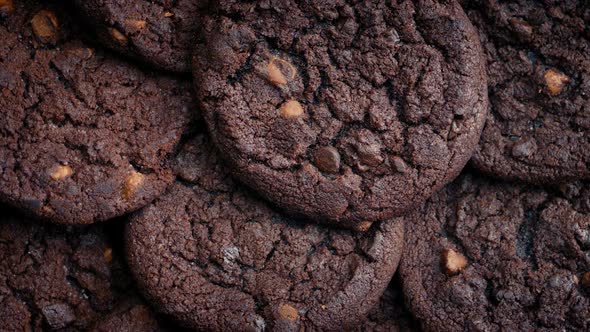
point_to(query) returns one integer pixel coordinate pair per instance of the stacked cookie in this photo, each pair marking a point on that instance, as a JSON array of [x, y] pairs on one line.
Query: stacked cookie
[[269, 165]]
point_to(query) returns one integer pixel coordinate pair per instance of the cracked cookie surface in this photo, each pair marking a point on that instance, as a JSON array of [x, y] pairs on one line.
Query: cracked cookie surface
[[215, 257], [490, 256], [65, 279], [538, 54], [84, 136], [390, 315], [342, 111], [158, 32]]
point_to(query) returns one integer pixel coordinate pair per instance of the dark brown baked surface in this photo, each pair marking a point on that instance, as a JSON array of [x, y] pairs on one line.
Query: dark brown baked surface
[[493, 256], [215, 257], [342, 111], [539, 86], [85, 137], [57, 278], [390, 314], [158, 32]]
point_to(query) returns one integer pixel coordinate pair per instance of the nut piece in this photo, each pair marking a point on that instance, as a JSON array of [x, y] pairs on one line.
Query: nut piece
[[363, 226], [133, 181], [60, 172], [452, 261], [136, 24], [288, 312], [275, 69], [6, 6], [168, 14], [291, 109], [118, 36], [555, 81], [327, 159], [586, 280], [108, 254], [45, 26]]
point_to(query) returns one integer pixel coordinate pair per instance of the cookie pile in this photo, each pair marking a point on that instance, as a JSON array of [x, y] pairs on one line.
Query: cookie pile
[[295, 165]]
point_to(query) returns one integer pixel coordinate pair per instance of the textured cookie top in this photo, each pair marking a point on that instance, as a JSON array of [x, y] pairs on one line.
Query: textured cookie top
[[64, 279], [538, 55], [215, 257], [85, 136], [494, 256], [158, 32], [390, 315], [342, 111]]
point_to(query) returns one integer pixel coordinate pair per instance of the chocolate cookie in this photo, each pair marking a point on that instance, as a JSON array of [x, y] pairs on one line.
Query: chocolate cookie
[[390, 315], [215, 257], [487, 256], [343, 111], [65, 279], [84, 136], [539, 85], [160, 33]]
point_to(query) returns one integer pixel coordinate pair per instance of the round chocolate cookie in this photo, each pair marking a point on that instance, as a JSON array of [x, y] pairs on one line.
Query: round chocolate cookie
[[84, 136], [65, 279], [486, 256], [538, 55], [160, 33], [343, 111], [390, 315], [215, 257]]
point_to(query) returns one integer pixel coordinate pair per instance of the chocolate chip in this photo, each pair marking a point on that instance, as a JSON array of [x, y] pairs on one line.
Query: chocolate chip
[[46, 27], [132, 184], [6, 7], [118, 36], [291, 109], [327, 159], [369, 153], [280, 71], [60, 172], [138, 25], [521, 27], [555, 81], [363, 226], [452, 262]]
